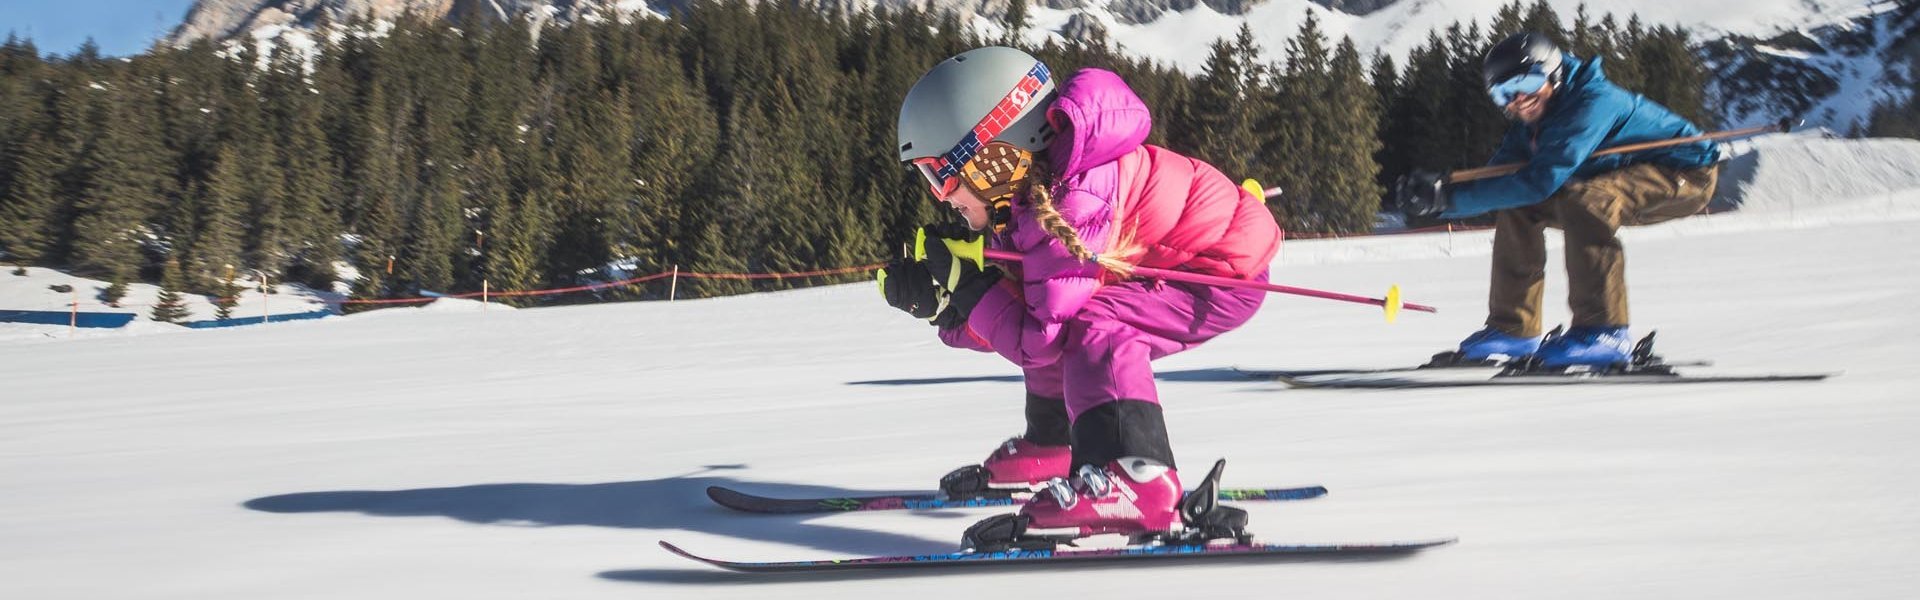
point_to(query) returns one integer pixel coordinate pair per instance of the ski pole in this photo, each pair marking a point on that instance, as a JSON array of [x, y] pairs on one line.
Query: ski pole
[[1391, 303], [1465, 175]]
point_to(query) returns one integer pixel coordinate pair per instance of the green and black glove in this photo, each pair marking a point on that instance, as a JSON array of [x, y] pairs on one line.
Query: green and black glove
[[955, 257], [909, 287]]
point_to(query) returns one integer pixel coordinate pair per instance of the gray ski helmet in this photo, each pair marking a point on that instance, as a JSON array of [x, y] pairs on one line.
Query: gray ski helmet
[[943, 109]]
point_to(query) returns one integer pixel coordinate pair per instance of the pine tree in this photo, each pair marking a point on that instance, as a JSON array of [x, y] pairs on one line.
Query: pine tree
[[1417, 127], [675, 134], [1351, 190], [115, 291], [1541, 18], [29, 209], [511, 256], [218, 229], [254, 185], [1016, 20], [111, 193], [1625, 69], [426, 261], [1673, 74], [375, 176], [1511, 19], [226, 296], [1223, 112], [1299, 127], [1584, 39], [307, 186], [1386, 93], [1473, 124], [171, 308]]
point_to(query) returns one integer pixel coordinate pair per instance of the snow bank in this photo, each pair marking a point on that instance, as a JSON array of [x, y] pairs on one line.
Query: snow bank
[[1798, 171], [34, 292]]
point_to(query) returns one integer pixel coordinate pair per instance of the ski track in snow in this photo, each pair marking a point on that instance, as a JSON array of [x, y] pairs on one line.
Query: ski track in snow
[[446, 452]]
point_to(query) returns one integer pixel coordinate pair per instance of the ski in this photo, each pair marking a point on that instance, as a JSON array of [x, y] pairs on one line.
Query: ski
[[1525, 379], [1010, 558], [1643, 367], [744, 502], [1288, 374]]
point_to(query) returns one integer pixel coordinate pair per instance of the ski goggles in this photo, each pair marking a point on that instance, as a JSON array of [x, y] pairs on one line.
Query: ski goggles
[[929, 169], [943, 172], [1506, 91]]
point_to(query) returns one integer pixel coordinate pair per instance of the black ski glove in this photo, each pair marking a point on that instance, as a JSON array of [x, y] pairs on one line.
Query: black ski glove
[[1422, 194], [953, 254], [961, 301], [907, 286], [955, 260]]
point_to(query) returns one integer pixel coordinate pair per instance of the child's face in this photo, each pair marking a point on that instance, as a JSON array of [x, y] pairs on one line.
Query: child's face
[[963, 200]]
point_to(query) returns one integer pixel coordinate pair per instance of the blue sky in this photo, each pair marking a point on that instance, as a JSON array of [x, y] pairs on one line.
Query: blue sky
[[121, 27]]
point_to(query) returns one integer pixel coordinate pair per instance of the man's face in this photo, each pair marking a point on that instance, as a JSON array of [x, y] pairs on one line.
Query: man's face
[[1527, 108]]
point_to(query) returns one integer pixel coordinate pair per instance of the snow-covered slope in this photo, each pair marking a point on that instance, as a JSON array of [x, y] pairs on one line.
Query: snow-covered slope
[[539, 453]]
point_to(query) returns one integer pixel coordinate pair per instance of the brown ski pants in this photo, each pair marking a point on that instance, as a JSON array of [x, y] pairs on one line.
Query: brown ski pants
[[1590, 213]]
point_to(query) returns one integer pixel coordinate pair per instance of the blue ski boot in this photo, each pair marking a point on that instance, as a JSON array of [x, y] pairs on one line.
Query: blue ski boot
[[1588, 346], [1485, 343]]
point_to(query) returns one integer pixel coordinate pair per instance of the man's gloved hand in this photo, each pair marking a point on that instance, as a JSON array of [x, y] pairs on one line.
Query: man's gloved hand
[[1422, 194], [909, 287]]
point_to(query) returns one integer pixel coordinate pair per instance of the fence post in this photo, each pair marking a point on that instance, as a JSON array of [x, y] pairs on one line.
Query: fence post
[[483, 295], [673, 286], [73, 313]]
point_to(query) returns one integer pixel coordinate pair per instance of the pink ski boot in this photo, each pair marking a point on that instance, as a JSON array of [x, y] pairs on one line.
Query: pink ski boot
[[1131, 496], [1016, 466]]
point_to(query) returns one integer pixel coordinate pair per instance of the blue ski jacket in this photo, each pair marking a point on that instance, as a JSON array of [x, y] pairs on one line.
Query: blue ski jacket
[[1588, 113]]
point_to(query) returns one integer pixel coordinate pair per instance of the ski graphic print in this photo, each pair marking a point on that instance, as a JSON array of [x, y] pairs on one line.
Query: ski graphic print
[[1070, 557], [745, 502]]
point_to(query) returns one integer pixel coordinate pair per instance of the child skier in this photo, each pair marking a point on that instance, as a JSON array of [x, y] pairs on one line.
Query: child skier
[[1063, 178]]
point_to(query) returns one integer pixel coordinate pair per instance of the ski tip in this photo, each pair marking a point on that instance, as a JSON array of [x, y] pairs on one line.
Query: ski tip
[[676, 550], [730, 498], [1405, 547], [689, 555]]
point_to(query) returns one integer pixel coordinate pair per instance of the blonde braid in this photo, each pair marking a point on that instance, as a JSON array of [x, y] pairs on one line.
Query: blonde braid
[[1040, 193]]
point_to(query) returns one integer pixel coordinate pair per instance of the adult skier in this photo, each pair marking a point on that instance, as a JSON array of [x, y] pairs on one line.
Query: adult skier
[[1563, 110], [1062, 177]]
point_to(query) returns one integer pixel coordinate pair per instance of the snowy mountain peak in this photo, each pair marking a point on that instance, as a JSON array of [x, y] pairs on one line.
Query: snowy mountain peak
[[1829, 60], [224, 19]]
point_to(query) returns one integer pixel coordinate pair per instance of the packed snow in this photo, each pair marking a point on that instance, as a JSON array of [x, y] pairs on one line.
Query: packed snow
[[455, 452]]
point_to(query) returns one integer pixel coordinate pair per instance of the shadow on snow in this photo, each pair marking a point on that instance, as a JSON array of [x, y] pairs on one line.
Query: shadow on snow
[[662, 505]]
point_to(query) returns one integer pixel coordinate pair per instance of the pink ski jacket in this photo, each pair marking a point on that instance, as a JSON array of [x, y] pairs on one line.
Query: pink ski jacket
[[1146, 205]]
